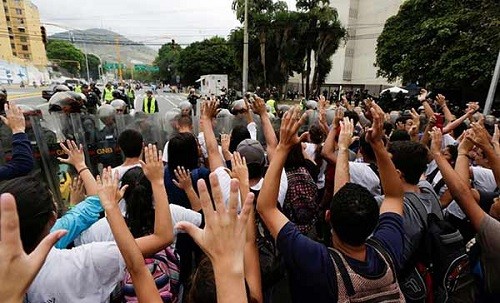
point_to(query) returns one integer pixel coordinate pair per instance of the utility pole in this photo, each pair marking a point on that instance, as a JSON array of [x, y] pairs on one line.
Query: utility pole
[[493, 87], [245, 51], [117, 42]]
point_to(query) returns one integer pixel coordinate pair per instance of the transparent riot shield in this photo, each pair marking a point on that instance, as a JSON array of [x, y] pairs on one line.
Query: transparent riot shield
[[104, 150], [151, 126]]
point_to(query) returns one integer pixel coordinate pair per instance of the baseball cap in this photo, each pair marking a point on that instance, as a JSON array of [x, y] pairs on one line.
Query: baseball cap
[[253, 151]]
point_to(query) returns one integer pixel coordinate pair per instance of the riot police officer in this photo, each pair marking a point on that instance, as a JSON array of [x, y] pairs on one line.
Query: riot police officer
[[92, 99]]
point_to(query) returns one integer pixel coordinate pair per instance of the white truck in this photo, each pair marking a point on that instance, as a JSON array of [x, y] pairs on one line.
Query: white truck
[[212, 84]]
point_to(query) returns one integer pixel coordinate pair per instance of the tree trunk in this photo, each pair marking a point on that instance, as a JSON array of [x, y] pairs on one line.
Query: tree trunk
[[262, 40], [308, 71]]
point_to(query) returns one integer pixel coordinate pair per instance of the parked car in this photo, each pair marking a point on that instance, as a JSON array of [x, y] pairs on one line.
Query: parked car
[[48, 93]]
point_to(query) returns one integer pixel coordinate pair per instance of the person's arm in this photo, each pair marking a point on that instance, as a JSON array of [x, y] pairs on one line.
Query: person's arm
[[22, 161], [471, 109], [76, 157], [163, 234], [252, 262], [18, 269], [225, 140], [322, 115], [328, 151], [456, 185], [425, 103], [78, 219], [425, 136], [462, 165], [391, 184], [267, 207], [223, 239], [414, 131], [110, 195], [448, 116], [495, 140], [77, 191], [259, 107], [185, 183], [209, 111], [481, 138], [342, 175]]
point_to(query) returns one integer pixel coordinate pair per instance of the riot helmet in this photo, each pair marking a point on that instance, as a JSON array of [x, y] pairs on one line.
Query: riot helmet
[[3, 98], [67, 102], [61, 88], [119, 105]]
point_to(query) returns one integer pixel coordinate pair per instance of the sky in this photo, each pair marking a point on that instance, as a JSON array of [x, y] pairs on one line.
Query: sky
[[152, 22]]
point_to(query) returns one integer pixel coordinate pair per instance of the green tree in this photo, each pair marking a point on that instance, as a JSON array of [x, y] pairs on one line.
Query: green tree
[[445, 44], [210, 56], [66, 55], [167, 60], [323, 36], [94, 62]]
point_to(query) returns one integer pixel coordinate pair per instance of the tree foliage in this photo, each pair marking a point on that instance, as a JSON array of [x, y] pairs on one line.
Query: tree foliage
[[167, 61], [65, 55], [210, 56], [94, 63], [441, 44]]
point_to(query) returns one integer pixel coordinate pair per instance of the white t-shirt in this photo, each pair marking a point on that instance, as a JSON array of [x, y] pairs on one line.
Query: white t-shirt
[[362, 174], [225, 185], [101, 231], [123, 169], [311, 151], [484, 179], [86, 274]]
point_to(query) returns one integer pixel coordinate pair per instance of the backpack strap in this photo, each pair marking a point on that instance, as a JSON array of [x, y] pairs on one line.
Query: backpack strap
[[439, 185], [432, 175], [379, 248], [417, 205], [346, 278]]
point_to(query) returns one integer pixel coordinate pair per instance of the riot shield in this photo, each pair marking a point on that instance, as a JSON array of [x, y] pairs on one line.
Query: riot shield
[[151, 126], [104, 150]]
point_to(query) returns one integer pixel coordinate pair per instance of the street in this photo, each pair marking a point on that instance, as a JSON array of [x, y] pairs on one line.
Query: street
[[24, 96]]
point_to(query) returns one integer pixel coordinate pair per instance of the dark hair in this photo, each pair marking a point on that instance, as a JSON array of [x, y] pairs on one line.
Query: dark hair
[[402, 119], [130, 142], [388, 127], [255, 171], [140, 216], [182, 151], [458, 131], [317, 137], [366, 149], [354, 214], [295, 158], [35, 206], [410, 158], [238, 134], [352, 115], [400, 135], [185, 121]]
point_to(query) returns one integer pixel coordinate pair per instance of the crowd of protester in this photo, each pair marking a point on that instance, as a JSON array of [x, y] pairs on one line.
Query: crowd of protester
[[341, 203]]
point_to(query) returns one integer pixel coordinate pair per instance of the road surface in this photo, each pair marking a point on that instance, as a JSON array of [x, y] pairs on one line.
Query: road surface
[[166, 101]]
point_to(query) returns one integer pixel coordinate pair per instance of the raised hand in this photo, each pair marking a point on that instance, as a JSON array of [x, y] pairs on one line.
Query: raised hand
[[224, 236], [14, 118], [225, 139], [209, 109], [153, 165], [466, 144], [259, 106], [437, 141], [108, 190], [183, 177], [76, 157], [290, 124], [441, 100], [339, 115], [375, 133], [239, 168], [472, 108], [480, 136], [77, 191], [346, 131], [18, 269]]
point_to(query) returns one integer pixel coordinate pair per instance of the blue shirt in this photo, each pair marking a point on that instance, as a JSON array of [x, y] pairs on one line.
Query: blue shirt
[[312, 273], [22, 158], [77, 220]]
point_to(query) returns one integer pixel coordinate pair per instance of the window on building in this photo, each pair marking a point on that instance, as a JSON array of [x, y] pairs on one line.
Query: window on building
[[13, 46], [22, 30], [26, 56], [14, 53], [9, 29], [23, 39], [24, 47], [19, 11], [20, 20], [7, 18]]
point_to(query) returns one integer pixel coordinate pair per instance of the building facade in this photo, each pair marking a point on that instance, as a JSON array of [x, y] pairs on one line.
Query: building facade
[[21, 36], [353, 65]]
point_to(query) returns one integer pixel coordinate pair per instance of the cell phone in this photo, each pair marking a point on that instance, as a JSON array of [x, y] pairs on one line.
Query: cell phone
[[439, 120]]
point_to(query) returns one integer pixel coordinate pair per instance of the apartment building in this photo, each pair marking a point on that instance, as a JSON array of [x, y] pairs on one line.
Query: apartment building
[[20, 34]]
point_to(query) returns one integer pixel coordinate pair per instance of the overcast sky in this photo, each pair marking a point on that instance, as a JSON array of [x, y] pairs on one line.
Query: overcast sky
[[148, 21]]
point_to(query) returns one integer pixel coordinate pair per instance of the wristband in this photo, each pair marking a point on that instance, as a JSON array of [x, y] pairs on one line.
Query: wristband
[[83, 169]]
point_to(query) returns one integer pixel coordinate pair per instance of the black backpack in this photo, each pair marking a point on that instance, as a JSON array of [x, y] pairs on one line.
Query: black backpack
[[272, 266], [440, 270]]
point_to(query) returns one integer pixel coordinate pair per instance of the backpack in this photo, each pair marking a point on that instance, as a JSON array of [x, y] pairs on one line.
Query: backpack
[[164, 267], [301, 205], [440, 270], [272, 266], [354, 287]]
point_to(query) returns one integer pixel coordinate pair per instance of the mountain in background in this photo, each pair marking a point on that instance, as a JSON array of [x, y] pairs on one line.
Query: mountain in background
[[102, 43]]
